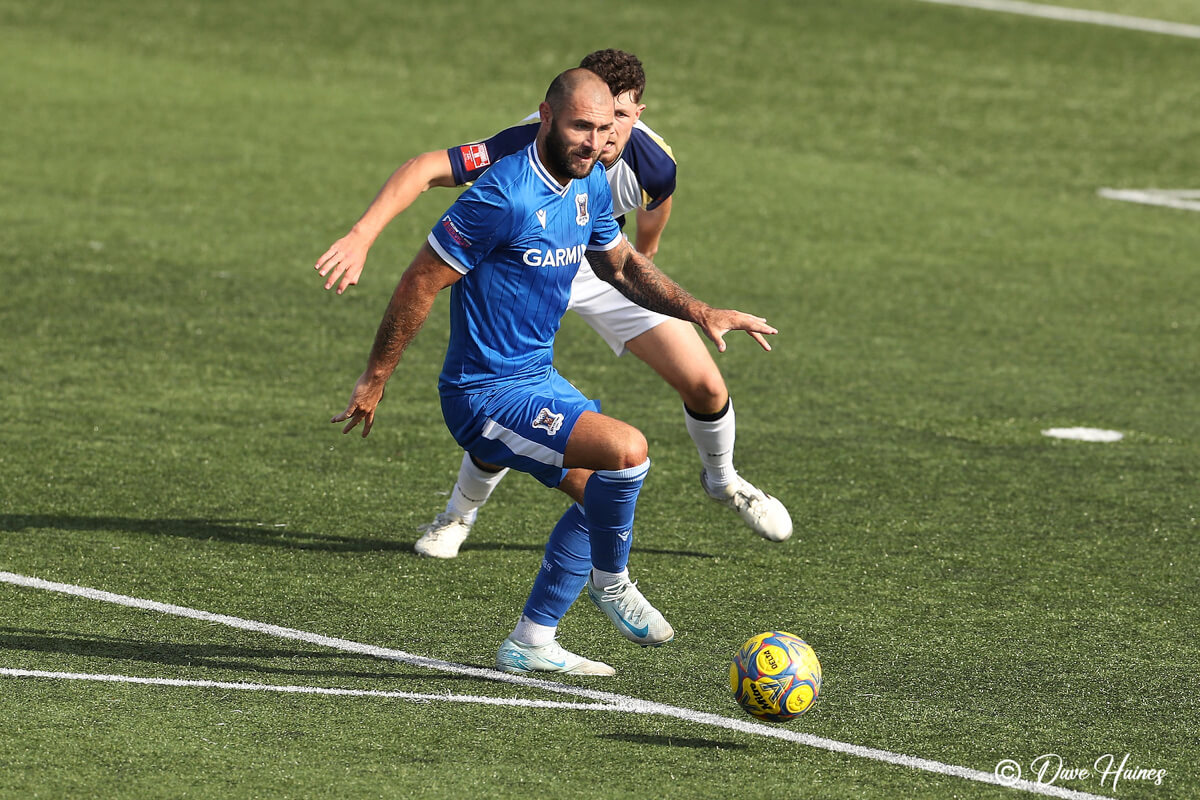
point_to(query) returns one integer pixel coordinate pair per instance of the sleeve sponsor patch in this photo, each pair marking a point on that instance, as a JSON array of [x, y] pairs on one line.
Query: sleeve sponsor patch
[[454, 232], [475, 156]]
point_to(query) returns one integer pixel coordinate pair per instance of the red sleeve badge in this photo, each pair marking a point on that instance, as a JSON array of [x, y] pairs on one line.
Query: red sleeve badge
[[475, 156]]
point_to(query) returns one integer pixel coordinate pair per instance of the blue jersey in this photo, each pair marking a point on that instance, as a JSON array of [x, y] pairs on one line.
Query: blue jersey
[[643, 177], [518, 238]]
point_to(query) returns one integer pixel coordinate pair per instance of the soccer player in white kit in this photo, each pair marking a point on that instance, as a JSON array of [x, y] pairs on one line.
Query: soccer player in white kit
[[641, 174]]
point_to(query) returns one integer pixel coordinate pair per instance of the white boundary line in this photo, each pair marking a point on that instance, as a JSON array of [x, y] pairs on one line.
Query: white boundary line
[[613, 701], [1078, 15], [266, 687], [1183, 199]]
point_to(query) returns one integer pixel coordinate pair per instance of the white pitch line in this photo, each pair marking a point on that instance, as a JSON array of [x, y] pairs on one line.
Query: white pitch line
[[615, 701], [321, 690], [1183, 199], [1078, 15]]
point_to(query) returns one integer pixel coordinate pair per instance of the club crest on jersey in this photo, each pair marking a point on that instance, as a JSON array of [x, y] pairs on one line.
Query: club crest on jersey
[[475, 156], [581, 210], [548, 421]]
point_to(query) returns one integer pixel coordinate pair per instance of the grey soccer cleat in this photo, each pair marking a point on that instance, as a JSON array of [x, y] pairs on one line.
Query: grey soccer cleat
[[765, 514], [443, 536], [552, 657], [631, 612]]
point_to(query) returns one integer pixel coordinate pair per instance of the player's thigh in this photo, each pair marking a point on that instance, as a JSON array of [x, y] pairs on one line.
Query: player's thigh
[[525, 427], [601, 442], [675, 351]]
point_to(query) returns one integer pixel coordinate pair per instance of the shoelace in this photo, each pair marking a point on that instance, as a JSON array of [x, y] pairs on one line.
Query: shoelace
[[743, 500], [626, 595], [439, 524]]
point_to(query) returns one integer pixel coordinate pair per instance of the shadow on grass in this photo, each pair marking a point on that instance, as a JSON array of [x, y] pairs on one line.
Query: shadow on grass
[[473, 545], [673, 741], [241, 659], [221, 530], [246, 532]]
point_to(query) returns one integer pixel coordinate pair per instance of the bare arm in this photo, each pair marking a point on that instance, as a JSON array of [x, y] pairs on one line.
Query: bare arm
[[636, 277], [348, 255], [650, 225], [410, 304]]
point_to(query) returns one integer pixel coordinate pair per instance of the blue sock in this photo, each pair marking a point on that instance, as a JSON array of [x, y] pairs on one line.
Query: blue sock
[[564, 569], [609, 500]]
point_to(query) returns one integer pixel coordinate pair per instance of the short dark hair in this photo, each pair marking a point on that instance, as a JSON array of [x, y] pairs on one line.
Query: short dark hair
[[620, 70]]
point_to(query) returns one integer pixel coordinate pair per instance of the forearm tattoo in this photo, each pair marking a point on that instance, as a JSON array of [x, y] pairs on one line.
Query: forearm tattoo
[[645, 284]]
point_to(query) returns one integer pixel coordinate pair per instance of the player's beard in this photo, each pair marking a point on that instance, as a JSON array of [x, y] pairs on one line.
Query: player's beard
[[558, 153]]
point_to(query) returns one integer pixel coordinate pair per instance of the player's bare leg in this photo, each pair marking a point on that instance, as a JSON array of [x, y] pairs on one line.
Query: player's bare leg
[[676, 352]]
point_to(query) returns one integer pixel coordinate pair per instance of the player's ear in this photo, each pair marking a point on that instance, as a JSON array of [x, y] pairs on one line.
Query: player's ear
[[641, 107], [544, 112]]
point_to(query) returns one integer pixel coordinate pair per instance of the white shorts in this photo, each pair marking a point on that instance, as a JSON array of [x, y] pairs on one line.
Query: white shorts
[[611, 314]]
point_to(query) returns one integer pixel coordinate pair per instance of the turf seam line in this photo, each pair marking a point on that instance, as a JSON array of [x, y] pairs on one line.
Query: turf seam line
[[1063, 14], [619, 702]]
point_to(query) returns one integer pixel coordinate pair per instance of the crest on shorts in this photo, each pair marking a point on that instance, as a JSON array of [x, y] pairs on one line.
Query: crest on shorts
[[581, 210], [548, 421]]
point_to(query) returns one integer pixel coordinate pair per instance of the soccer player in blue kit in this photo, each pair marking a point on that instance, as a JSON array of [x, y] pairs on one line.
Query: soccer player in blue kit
[[510, 247], [641, 173]]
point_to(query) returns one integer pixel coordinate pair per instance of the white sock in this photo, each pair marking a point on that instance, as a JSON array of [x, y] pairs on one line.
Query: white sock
[[714, 440], [472, 489], [603, 580], [531, 633]]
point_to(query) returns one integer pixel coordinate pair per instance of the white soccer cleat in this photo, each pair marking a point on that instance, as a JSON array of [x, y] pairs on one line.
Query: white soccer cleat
[[525, 658], [635, 618], [443, 536], [765, 515]]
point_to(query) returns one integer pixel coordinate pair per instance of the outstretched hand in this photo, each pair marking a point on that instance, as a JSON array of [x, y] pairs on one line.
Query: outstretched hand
[[346, 258], [720, 321], [363, 402]]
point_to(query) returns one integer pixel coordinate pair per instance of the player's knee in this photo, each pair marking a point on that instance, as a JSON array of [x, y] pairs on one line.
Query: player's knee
[[706, 394], [634, 450], [602, 443]]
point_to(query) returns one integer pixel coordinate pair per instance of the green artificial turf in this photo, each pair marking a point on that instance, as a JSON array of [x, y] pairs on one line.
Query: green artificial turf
[[907, 191]]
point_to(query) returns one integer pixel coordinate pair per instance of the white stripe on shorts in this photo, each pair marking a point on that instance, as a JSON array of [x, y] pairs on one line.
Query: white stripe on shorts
[[520, 445]]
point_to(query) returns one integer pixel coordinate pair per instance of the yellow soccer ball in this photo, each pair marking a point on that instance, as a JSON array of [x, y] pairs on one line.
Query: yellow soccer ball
[[775, 676]]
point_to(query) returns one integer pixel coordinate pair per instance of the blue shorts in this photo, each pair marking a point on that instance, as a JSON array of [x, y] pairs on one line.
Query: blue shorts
[[521, 425]]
